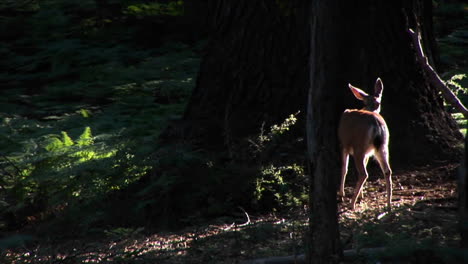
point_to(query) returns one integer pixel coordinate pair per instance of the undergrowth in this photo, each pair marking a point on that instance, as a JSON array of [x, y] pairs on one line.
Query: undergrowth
[[82, 106], [80, 112]]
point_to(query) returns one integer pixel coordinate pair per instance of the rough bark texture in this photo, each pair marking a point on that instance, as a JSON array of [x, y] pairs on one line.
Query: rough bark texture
[[378, 45], [322, 118], [463, 199], [356, 42], [254, 72]]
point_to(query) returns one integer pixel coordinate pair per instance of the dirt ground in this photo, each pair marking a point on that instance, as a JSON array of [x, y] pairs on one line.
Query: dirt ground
[[424, 216]]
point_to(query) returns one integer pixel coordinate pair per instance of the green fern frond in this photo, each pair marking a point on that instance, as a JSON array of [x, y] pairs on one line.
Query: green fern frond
[[86, 138], [53, 144], [66, 140]]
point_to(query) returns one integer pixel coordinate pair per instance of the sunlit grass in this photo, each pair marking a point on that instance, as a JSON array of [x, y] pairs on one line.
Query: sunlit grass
[[461, 121]]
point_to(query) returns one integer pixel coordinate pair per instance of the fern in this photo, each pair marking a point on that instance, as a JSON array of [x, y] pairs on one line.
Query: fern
[[90, 127], [85, 138], [66, 140]]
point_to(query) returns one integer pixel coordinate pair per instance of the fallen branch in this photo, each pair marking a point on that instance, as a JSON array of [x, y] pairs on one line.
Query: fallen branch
[[432, 75], [240, 225]]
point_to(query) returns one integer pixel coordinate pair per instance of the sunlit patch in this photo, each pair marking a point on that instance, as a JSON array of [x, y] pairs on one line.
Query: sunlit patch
[[199, 244]]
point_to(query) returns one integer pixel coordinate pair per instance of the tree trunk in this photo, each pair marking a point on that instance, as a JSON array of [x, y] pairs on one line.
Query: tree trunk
[[323, 112], [356, 42], [463, 199], [378, 45], [254, 73]]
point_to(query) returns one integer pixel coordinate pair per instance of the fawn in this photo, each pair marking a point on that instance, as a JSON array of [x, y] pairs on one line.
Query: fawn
[[363, 133]]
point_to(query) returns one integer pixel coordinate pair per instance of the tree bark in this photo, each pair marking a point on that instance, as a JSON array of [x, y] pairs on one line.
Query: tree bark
[[323, 112], [378, 45], [356, 42], [463, 199], [254, 73]]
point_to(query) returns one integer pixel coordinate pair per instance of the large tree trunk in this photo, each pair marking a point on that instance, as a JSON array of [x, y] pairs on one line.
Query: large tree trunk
[[356, 42], [254, 73], [421, 130], [378, 45]]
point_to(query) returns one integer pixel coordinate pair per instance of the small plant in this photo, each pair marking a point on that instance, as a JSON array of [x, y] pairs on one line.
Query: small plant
[[260, 142], [455, 85], [281, 183], [462, 93]]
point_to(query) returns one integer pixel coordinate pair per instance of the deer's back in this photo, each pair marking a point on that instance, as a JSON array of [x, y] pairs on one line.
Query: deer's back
[[362, 130]]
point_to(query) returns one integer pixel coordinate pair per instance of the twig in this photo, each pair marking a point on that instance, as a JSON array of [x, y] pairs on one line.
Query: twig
[[246, 215], [240, 225]]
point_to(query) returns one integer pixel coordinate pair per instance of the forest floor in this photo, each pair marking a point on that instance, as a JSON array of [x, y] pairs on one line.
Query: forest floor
[[424, 216]]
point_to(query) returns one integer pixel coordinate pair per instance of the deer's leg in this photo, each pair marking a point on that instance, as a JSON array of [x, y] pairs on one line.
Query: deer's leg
[[344, 171], [382, 158], [360, 162], [366, 160]]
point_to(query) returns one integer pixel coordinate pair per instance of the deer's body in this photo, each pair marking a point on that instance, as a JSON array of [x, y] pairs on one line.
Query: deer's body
[[364, 133]]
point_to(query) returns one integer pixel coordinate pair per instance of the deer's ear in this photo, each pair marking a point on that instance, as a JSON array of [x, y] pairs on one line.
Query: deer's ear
[[378, 88], [358, 93]]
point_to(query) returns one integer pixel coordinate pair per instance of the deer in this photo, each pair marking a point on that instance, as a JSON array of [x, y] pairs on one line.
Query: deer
[[363, 133]]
